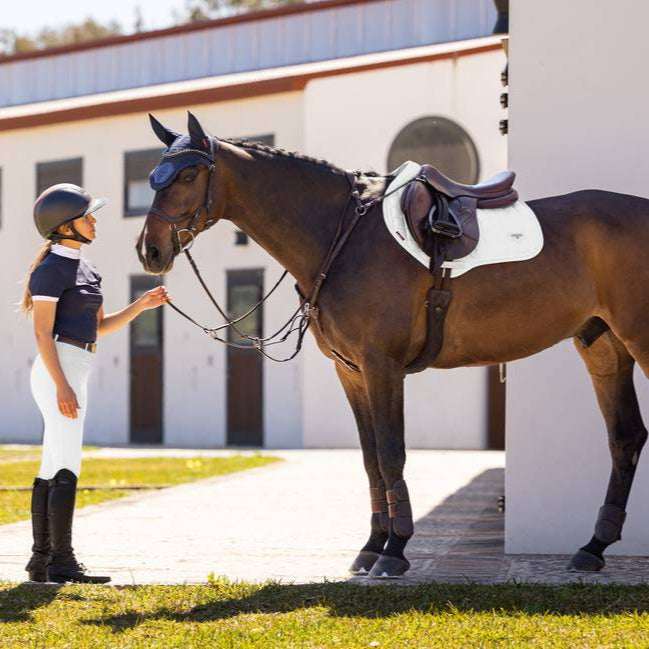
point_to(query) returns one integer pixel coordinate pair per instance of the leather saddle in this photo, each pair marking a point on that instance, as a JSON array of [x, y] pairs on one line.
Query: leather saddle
[[441, 213]]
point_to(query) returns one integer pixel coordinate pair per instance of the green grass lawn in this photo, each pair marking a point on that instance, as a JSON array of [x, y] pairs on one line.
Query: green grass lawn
[[15, 505], [222, 614]]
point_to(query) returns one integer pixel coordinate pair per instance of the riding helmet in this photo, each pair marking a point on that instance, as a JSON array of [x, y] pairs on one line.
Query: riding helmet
[[61, 204]]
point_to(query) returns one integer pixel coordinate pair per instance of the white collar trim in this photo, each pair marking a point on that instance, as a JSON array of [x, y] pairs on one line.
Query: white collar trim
[[65, 251]]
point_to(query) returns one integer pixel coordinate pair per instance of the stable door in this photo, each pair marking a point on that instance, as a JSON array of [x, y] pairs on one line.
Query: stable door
[[146, 368], [245, 366]]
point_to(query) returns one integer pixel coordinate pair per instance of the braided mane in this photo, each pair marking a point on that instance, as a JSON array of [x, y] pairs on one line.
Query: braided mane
[[271, 150]]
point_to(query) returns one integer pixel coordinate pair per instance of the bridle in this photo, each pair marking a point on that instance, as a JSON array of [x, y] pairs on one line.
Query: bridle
[[307, 310], [194, 219]]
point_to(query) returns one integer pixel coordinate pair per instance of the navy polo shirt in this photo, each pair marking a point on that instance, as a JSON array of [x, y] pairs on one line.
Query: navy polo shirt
[[75, 285]]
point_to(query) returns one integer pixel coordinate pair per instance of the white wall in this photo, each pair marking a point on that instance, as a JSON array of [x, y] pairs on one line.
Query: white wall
[[194, 367], [303, 402], [356, 133], [577, 119]]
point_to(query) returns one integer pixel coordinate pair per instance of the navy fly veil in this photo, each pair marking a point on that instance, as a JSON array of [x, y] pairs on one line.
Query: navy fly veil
[[182, 153]]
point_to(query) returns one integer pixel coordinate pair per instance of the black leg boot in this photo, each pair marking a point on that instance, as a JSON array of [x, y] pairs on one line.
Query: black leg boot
[[40, 532], [62, 565]]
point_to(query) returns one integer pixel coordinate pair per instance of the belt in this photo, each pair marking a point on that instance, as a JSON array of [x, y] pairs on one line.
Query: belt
[[89, 347]]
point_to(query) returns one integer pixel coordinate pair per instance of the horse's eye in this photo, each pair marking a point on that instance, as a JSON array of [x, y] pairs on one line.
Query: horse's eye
[[190, 179]]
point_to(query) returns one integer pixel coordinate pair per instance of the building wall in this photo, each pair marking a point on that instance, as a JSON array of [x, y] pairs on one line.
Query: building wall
[[577, 120], [194, 367], [303, 402], [353, 120]]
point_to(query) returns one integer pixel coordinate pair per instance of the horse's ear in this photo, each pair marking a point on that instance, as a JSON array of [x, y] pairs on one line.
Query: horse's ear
[[198, 135], [165, 134]]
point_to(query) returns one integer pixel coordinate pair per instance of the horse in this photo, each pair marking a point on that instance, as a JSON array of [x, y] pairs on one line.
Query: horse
[[589, 283]]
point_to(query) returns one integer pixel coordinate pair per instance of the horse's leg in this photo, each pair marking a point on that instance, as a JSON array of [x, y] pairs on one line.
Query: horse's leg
[[354, 386], [384, 383], [611, 368]]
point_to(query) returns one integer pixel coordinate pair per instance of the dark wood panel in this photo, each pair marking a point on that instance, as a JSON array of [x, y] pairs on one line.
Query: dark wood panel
[[146, 388], [245, 414], [496, 407], [146, 336]]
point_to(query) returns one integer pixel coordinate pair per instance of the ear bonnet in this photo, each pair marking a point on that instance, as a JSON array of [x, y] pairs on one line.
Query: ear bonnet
[[182, 151]]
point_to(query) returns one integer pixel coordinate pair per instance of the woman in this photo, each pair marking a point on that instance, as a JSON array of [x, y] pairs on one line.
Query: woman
[[64, 294]]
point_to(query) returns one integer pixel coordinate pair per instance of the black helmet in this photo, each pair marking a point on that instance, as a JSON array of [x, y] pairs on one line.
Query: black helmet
[[61, 204]]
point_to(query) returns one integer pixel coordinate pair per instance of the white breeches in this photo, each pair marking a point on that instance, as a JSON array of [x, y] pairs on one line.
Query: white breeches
[[63, 437]]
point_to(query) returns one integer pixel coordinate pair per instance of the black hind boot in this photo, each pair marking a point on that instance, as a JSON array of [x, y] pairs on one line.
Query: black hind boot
[[62, 565], [40, 531]]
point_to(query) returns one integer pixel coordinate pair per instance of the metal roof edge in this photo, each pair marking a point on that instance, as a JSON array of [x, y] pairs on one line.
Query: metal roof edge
[[228, 87]]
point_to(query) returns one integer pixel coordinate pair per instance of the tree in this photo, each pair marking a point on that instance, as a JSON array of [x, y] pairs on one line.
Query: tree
[[89, 30], [206, 9]]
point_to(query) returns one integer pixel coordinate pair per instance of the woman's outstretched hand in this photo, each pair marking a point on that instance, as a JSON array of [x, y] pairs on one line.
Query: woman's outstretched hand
[[154, 298]]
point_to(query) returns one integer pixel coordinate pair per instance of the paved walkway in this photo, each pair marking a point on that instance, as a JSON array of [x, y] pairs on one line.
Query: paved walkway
[[304, 520]]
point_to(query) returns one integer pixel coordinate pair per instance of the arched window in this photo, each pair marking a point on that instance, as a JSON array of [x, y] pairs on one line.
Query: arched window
[[440, 142]]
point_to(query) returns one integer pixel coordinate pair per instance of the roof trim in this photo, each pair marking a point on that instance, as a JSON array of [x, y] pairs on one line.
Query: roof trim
[[182, 94], [264, 14]]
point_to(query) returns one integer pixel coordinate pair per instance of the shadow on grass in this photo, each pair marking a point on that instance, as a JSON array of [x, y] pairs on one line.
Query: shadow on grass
[[356, 601], [17, 604], [466, 524]]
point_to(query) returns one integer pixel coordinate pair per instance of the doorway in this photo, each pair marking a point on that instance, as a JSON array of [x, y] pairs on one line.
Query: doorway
[[245, 366], [146, 353]]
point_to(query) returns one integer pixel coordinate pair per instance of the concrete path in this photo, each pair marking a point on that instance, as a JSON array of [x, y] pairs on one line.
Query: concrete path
[[304, 520], [301, 520]]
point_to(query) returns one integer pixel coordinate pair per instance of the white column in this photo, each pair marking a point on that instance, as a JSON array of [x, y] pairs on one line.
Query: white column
[[577, 120]]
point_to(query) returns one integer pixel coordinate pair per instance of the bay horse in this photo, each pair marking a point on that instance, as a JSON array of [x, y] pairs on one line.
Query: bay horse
[[590, 282]]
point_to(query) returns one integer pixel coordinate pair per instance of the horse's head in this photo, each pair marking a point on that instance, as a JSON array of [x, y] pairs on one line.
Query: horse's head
[[182, 207]]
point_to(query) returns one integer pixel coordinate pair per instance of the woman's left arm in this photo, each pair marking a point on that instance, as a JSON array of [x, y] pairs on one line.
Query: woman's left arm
[[152, 299]]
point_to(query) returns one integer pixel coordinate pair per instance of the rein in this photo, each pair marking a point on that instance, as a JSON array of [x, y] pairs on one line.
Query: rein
[[307, 310]]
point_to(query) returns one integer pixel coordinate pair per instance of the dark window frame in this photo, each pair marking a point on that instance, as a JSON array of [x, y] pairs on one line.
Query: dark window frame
[[453, 129], [141, 158], [46, 173]]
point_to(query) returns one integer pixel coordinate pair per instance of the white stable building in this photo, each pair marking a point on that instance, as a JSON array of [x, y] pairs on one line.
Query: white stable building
[[365, 84]]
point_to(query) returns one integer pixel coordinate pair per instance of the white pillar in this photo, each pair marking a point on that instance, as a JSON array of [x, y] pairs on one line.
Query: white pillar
[[577, 120]]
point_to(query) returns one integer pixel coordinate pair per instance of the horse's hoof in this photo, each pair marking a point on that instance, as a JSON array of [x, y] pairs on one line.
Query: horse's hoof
[[364, 562], [583, 561], [388, 567]]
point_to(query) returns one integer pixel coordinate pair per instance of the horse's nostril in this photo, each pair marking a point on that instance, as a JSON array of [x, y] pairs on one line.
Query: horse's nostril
[[152, 253]]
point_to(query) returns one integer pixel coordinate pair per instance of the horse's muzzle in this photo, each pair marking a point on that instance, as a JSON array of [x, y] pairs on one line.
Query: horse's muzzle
[[152, 258], [156, 262]]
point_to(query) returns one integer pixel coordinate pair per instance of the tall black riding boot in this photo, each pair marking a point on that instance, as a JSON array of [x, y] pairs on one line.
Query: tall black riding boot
[[62, 565], [40, 531]]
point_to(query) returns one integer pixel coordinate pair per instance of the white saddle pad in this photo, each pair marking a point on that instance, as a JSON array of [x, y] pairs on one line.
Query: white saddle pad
[[506, 234]]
